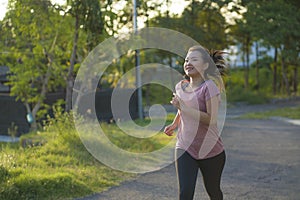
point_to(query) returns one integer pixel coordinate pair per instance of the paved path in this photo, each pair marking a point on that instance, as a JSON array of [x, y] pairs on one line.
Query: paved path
[[263, 163], [5, 138]]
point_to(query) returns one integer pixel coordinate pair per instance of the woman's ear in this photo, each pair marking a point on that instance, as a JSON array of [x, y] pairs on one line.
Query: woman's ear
[[205, 66]]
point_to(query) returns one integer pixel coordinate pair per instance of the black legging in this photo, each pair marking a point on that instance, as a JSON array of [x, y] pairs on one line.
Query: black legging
[[187, 171]]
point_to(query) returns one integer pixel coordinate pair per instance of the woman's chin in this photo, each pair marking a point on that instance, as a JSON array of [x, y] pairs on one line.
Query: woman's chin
[[192, 75], [189, 73]]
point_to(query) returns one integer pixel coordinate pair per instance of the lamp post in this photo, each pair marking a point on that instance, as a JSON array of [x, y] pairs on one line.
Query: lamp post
[[137, 66]]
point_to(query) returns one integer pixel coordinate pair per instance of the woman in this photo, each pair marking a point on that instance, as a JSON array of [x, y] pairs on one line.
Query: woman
[[199, 145]]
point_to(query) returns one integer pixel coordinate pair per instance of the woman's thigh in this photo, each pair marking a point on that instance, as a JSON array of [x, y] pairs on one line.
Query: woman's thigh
[[187, 171], [211, 170]]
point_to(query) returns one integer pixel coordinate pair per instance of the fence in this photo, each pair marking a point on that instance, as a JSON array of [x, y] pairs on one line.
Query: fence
[[14, 112]]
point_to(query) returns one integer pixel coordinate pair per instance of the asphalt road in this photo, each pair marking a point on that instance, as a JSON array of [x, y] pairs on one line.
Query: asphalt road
[[263, 163]]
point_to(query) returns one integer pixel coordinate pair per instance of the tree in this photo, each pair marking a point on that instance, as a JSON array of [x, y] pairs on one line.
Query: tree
[[242, 37], [204, 22], [272, 24], [87, 15], [33, 43], [278, 25]]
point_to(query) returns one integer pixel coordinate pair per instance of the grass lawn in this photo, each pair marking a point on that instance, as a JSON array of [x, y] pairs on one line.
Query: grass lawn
[[290, 112], [56, 165]]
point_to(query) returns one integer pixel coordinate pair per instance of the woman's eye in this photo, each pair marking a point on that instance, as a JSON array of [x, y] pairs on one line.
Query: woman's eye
[[192, 60]]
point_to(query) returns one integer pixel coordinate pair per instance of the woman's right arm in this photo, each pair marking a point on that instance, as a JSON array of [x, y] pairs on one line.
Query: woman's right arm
[[176, 119], [169, 130]]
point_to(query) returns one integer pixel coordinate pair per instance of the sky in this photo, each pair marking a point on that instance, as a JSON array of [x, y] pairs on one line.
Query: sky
[[3, 4], [176, 6]]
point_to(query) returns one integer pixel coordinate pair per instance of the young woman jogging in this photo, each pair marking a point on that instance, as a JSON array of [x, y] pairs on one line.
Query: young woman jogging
[[199, 145]]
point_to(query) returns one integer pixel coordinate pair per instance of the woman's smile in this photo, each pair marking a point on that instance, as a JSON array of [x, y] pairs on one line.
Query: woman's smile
[[189, 68]]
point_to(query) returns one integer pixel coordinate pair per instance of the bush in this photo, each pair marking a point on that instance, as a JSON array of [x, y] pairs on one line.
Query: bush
[[239, 94], [236, 92], [3, 174], [61, 167]]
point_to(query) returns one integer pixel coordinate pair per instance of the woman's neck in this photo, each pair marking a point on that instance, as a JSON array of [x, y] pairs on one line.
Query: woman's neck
[[196, 81]]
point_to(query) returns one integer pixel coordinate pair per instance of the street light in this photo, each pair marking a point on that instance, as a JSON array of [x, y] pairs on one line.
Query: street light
[[137, 66]]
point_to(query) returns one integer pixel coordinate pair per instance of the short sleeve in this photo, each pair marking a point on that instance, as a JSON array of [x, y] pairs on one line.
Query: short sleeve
[[211, 90], [178, 88]]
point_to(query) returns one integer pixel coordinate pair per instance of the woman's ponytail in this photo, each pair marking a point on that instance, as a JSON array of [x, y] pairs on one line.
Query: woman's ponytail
[[217, 57]]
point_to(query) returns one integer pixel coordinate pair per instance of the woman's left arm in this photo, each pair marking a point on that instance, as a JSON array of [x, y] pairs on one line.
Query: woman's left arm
[[208, 117]]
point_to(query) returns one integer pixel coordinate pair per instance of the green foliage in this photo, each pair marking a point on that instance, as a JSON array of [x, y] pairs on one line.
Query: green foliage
[[32, 33], [275, 25], [61, 167], [237, 93], [4, 174], [202, 21], [156, 94], [34, 51]]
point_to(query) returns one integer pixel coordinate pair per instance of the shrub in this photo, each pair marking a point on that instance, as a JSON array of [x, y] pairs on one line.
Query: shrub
[[61, 167]]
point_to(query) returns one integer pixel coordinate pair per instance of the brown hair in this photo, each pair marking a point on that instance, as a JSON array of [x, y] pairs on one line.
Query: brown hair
[[216, 62], [215, 59]]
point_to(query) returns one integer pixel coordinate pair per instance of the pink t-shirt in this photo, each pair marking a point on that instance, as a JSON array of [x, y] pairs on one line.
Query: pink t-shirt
[[200, 140]]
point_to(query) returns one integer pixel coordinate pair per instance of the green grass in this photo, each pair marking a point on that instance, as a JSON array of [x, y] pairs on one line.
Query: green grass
[[60, 167], [290, 112]]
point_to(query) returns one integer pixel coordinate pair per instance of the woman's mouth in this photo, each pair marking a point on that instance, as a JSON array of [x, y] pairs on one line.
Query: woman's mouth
[[189, 68]]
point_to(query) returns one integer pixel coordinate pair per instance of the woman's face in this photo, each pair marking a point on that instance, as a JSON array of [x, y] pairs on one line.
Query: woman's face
[[194, 65]]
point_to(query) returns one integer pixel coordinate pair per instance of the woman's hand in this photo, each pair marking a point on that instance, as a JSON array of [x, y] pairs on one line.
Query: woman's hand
[[177, 102], [169, 130]]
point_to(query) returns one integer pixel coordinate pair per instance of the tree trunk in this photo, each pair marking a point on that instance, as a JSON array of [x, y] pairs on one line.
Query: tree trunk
[[275, 73], [284, 76], [257, 67], [70, 78], [33, 124], [247, 63], [295, 80], [37, 106]]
